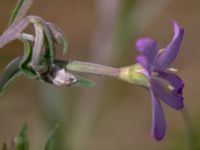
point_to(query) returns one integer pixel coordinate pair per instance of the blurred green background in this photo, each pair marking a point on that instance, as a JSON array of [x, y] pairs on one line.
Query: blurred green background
[[114, 115]]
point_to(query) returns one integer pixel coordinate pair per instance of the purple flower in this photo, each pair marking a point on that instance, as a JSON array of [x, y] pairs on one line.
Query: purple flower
[[164, 84]]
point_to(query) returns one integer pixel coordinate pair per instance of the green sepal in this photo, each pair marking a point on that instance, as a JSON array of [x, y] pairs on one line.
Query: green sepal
[[10, 73], [15, 11], [50, 139], [21, 141], [83, 82], [133, 74]]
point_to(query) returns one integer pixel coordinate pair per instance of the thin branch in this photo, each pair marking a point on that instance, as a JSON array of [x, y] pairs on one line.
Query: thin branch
[[20, 11], [14, 32]]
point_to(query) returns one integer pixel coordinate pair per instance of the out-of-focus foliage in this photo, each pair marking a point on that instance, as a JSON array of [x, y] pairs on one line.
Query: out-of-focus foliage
[[21, 141]]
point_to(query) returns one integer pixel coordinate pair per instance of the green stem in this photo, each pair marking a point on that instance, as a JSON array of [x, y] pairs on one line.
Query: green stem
[[191, 141], [130, 74], [89, 68]]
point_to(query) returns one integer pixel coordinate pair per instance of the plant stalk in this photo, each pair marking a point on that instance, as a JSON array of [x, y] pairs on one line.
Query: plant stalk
[[90, 68]]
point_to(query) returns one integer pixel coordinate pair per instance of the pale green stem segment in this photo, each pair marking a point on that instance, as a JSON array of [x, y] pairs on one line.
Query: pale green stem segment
[[129, 74], [90, 68]]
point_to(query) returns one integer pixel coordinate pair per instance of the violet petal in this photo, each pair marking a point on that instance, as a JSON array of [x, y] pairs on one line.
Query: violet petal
[[149, 49], [141, 59], [175, 100], [170, 52], [158, 119], [174, 80]]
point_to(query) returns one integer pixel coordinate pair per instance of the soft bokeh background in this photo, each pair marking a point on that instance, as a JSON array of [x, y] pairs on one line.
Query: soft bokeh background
[[114, 115]]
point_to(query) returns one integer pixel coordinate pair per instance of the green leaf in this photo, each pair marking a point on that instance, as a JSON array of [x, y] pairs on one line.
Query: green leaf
[[65, 44], [27, 54], [29, 72], [20, 11], [16, 10], [59, 36], [50, 54], [50, 140], [10, 73], [21, 141], [83, 82], [37, 52]]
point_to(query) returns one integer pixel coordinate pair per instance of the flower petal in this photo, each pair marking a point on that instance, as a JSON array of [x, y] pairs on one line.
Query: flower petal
[[175, 100], [149, 50], [174, 80], [142, 61], [170, 52], [158, 120]]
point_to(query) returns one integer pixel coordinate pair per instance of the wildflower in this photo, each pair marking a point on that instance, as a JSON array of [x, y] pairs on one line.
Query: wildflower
[[163, 83]]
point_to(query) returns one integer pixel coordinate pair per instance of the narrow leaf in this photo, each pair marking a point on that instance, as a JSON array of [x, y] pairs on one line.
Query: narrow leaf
[[21, 141], [59, 36], [51, 138], [29, 72], [20, 11], [65, 44], [50, 53], [10, 73], [38, 45], [16, 10], [83, 82], [27, 54], [14, 32]]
